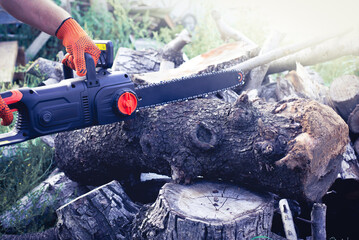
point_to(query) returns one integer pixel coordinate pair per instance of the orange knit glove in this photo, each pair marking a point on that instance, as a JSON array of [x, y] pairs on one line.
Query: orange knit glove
[[5, 113], [77, 43]]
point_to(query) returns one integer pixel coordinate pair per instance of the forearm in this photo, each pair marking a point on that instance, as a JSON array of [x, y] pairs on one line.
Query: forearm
[[42, 14]]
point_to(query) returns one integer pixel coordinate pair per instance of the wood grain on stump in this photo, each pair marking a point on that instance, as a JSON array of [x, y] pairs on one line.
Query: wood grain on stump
[[344, 92], [207, 210]]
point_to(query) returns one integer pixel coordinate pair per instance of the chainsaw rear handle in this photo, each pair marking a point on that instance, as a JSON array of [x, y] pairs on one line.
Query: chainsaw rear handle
[[74, 103], [105, 60]]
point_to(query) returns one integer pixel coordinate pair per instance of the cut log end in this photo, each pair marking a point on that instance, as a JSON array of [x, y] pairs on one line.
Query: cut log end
[[207, 210], [344, 92]]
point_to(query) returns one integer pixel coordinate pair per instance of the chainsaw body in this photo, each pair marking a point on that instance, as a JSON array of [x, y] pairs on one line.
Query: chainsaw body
[[71, 104], [102, 97], [68, 105]]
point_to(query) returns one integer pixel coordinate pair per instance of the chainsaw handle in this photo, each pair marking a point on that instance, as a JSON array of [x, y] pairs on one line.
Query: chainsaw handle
[[105, 60], [90, 67], [19, 134], [68, 73]]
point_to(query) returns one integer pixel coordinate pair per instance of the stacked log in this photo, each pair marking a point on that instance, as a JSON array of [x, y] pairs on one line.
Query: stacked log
[[344, 92], [281, 147]]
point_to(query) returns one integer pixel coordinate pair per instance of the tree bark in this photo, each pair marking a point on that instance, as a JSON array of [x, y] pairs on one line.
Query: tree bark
[[284, 89], [353, 120], [132, 61], [206, 210], [293, 148], [350, 165], [344, 92], [149, 60], [104, 213]]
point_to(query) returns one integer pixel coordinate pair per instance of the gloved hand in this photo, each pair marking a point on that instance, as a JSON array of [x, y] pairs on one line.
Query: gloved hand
[[5, 113], [77, 43]]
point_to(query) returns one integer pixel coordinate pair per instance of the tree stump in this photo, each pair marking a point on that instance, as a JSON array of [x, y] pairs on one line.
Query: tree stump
[[206, 210]]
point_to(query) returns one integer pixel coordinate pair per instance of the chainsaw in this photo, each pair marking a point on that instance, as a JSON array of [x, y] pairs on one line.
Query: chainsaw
[[102, 97]]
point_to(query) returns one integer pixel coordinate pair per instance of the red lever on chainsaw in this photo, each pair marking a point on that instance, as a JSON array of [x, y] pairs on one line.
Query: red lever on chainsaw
[[127, 103]]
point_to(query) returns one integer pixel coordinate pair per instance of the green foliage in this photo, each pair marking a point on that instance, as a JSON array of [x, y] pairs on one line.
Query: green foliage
[[204, 38], [165, 34], [117, 26], [23, 167]]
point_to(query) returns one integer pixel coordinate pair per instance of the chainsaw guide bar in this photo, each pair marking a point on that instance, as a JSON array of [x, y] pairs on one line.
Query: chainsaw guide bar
[[187, 88]]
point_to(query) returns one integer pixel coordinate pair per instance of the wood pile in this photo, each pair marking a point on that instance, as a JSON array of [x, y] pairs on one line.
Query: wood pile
[[231, 157]]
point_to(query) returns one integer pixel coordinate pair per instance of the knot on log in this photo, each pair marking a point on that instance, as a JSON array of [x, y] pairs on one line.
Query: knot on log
[[204, 136], [271, 150], [242, 99], [264, 147], [243, 114]]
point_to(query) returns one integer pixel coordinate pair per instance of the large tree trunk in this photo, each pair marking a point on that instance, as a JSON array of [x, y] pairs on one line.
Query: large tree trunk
[[206, 211], [293, 148]]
